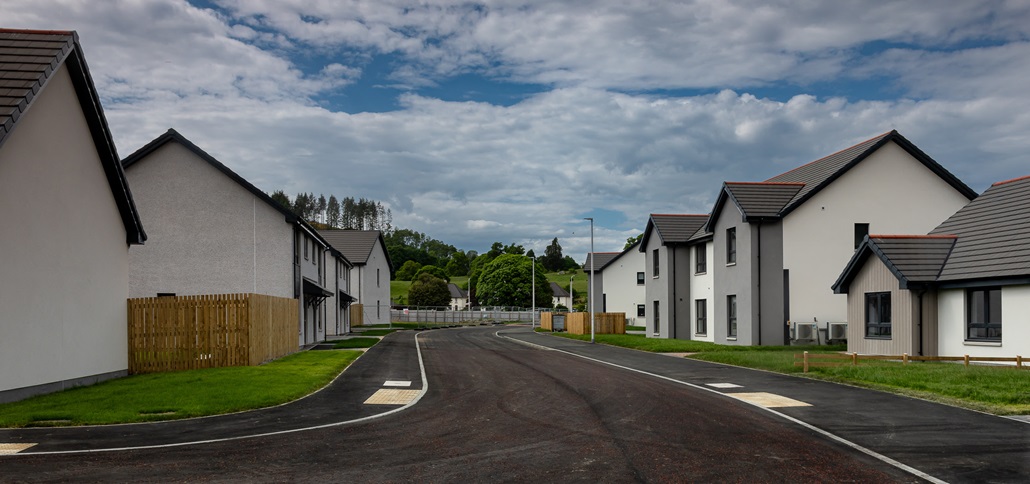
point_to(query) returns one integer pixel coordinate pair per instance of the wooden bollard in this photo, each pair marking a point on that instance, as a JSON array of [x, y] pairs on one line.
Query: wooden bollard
[[1019, 361], [965, 360], [904, 358], [806, 362], [854, 359]]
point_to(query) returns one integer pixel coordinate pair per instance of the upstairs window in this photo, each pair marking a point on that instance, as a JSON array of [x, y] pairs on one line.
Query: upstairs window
[[700, 259], [654, 263], [640, 278], [861, 230], [731, 245]]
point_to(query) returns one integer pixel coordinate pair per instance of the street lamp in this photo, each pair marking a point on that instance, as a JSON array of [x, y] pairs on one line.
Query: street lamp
[[572, 298], [532, 324], [590, 296]]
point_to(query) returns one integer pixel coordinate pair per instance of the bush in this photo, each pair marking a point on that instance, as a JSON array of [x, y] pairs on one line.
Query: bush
[[434, 271], [429, 290]]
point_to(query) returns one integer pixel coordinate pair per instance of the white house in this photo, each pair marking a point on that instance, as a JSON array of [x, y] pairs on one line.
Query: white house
[[560, 297], [963, 289], [69, 221], [213, 232], [459, 297], [622, 280], [778, 245], [370, 276]]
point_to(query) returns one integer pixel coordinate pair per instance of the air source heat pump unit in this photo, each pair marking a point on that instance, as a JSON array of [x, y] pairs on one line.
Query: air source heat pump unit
[[805, 331], [837, 331]]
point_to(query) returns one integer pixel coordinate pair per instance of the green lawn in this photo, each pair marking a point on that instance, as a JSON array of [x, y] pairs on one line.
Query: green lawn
[[998, 390], [354, 343], [181, 394]]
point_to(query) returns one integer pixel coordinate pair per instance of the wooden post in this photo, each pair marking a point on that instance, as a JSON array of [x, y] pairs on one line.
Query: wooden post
[[806, 362], [1019, 361], [904, 358], [854, 359], [965, 360]]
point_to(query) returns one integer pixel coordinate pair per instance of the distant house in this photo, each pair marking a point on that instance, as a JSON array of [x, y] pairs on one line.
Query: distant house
[[963, 289], [459, 297], [779, 244], [370, 277], [69, 221], [595, 284], [623, 283], [667, 249], [560, 297], [213, 232]]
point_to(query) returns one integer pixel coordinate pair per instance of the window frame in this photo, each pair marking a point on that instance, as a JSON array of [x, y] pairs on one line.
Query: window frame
[[640, 278], [878, 327], [655, 262], [657, 317], [701, 316], [700, 259], [731, 246], [987, 314], [641, 310], [861, 231], [731, 316]]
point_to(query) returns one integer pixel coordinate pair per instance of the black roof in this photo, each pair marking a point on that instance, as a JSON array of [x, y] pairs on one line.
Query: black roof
[[916, 260], [673, 229], [28, 60], [601, 259], [558, 291], [356, 245], [456, 292], [760, 200], [993, 234]]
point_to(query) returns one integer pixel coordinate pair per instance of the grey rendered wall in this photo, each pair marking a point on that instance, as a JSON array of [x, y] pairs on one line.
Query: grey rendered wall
[[65, 271], [595, 290], [736, 279], [207, 234], [657, 288], [682, 273], [769, 314]]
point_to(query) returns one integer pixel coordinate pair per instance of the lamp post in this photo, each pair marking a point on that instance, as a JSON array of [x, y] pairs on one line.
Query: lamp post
[[532, 295], [590, 291], [572, 298]]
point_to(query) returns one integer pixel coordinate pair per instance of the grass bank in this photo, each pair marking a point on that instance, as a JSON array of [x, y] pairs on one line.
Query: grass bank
[[181, 394], [997, 390]]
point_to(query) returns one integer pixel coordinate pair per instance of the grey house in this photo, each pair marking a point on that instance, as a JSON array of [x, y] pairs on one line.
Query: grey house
[[963, 289], [666, 244], [216, 233], [69, 218]]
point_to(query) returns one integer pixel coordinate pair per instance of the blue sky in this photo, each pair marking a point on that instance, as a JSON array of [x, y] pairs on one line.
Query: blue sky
[[512, 120]]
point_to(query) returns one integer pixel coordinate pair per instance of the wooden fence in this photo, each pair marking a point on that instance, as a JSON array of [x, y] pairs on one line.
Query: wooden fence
[[579, 323], [190, 332], [815, 360], [357, 314]]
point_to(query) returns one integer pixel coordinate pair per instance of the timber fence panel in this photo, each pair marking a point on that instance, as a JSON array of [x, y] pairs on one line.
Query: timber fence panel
[[545, 321]]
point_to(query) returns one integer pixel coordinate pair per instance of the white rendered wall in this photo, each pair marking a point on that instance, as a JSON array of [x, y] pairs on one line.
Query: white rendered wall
[[65, 270], [891, 191], [207, 234], [622, 293], [1015, 321], [701, 287], [373, 291]]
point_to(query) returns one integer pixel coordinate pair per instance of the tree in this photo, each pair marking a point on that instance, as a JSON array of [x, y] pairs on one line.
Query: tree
[[408, 270], [632, 240], [434, 270], [332, 209], [552, 259], [320, 207], [495, 250], [508, 281], [512, 248], [458, 265], [428, 290], [282, 199], [569, 264]]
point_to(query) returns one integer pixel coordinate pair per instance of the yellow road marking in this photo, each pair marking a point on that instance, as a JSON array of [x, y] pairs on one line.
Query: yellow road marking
[[392, 397], [10, 449], [769, 400]]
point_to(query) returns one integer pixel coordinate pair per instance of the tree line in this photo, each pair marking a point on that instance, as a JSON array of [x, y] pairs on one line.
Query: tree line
[[345, 213]]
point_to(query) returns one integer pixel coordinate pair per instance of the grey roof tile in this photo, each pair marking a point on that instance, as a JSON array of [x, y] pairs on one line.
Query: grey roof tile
[[677, 228], [763, 199], [558, 291], [355, 245], [600, 260], [456, 292]]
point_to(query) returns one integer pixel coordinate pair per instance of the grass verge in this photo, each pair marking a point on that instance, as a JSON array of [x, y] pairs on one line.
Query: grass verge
[[354, 343], [993, 389], [181, 394]]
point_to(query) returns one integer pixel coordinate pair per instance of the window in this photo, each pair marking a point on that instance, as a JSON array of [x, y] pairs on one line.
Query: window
[[640, 310], [377, 277], [878, 315], [378, 315], [640, 278], [701, 316], [305, 249], [861, 230], [654, 263], [731, 316], [700, 259], [731, 245], [604, 303], [983, 314], [657, 315]]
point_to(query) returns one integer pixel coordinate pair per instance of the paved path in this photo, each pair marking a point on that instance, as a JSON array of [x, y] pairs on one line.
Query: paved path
[[500, 410]]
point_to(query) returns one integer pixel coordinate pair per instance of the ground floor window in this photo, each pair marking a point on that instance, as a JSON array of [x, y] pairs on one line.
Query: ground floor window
[[701, 316], [657, 315], [983, 314], [640, 310], [731, 316], [878, 315]]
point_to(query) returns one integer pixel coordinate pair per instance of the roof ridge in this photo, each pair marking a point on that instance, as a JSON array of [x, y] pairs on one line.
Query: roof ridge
[[766, 183], [835, 153], [680, 214], [37, 32], [1003, 182], [902, 236]]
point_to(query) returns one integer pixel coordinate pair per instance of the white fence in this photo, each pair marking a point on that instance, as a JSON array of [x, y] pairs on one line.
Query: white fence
[[444, 315]]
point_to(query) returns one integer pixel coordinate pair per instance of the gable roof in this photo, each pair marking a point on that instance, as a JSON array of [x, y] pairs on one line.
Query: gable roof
[[356, 245], [601, 259], [456, 292], [987, 240], [28, 60], [757, 201], [673, 229], [558, 291], [820, 173], [631, 248], [916, 260], [993, 234]]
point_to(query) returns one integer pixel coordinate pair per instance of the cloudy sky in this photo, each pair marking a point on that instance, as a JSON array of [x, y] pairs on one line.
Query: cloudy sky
[[513, 120]]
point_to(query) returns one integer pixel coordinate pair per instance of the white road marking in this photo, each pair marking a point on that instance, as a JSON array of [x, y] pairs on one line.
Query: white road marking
[[723, 385], [397, 383]]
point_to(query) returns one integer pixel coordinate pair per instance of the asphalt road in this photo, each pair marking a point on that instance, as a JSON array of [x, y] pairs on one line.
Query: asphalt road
[[495, 410]]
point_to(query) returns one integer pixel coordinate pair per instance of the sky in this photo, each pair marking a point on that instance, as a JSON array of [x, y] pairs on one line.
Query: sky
[[512, 121]]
